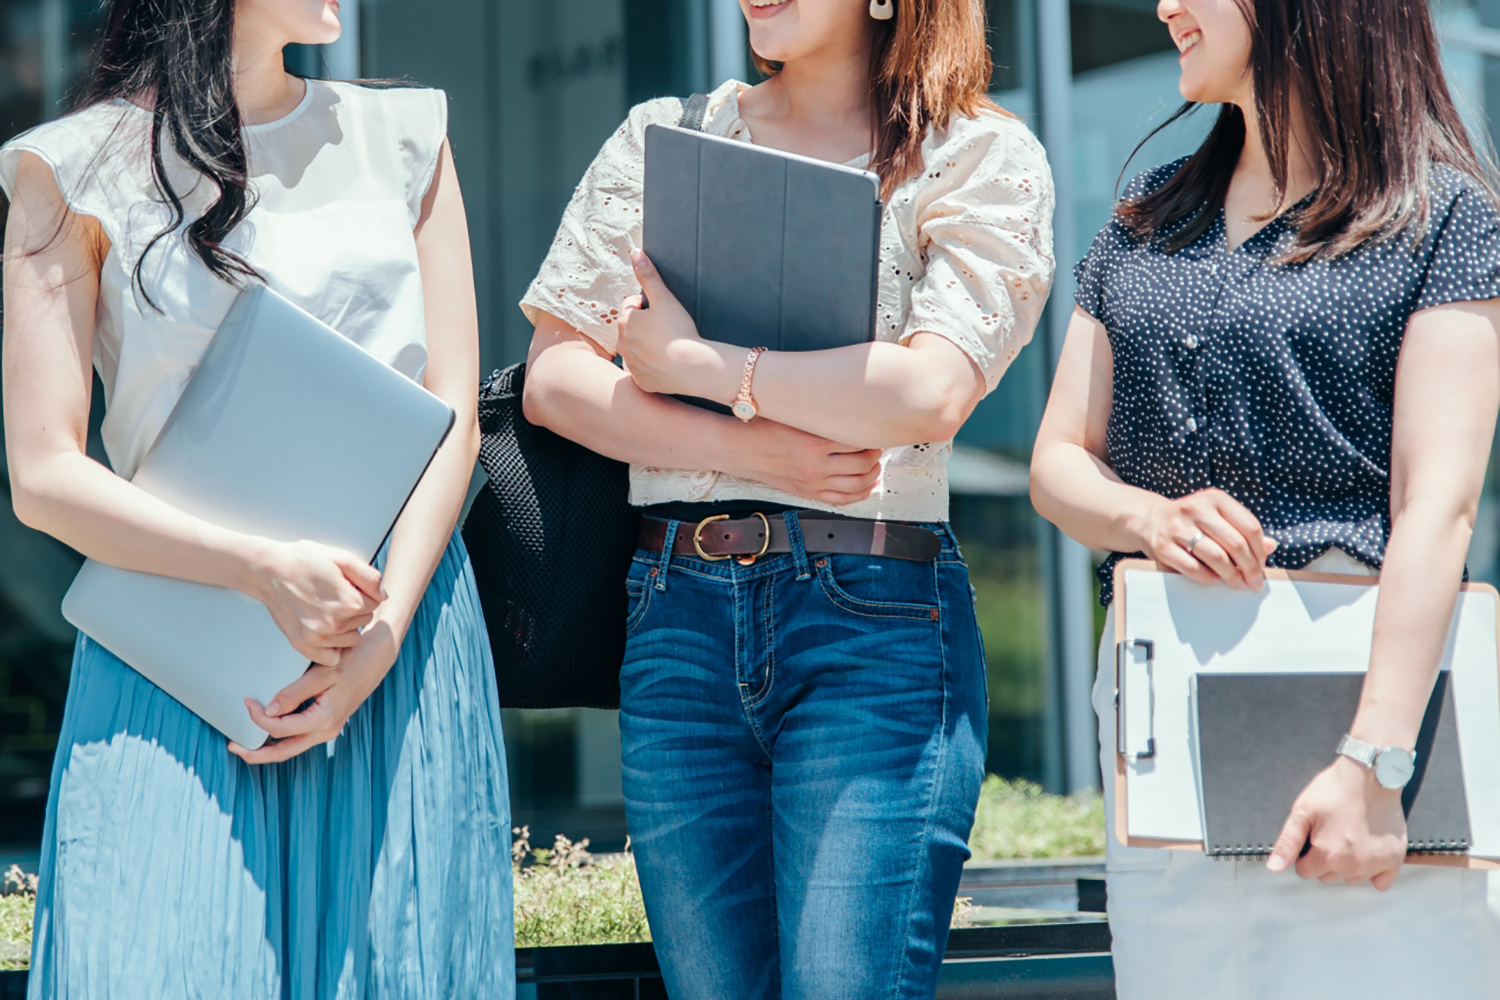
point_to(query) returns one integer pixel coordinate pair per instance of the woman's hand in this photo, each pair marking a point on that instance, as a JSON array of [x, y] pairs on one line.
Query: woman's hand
[[1208, 536], [662, 349], [1354, 829], [336, 692], [803, 464], [319, 596]]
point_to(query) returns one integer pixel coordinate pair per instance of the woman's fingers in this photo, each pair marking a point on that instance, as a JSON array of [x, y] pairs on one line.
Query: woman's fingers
[[1290, 841], [846, 463], [343, 640], [286, 726], [1386, 879], [1176, 558], [312, 683], [653, 289], [366, 578], [275, 753], [321, 656], [1248, 566], [1208, 552], [1246, 524]]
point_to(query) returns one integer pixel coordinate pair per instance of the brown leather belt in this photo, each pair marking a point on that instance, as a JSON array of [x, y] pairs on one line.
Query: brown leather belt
[[720, 538]]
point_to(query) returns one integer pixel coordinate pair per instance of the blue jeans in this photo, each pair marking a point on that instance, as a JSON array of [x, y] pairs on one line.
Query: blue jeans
[[803, 743]]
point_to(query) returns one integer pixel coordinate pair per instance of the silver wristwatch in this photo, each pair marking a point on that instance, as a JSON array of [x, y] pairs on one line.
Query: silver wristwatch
[[1393, 766]]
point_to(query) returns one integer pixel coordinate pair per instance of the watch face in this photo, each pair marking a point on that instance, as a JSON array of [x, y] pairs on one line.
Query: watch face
[[744, 410], [1394, 767]]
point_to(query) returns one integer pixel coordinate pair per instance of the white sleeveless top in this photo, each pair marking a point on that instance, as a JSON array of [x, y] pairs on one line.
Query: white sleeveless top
[[965, 252], [339, 184]]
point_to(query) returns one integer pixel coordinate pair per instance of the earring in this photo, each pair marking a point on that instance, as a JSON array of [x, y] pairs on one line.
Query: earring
[[882, 10]]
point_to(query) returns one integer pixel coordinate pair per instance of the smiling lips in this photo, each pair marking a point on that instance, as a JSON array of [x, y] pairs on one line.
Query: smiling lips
[[762, 4], [1188, 39]]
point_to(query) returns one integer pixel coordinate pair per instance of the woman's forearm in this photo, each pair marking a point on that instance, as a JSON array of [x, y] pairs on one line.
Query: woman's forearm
[[875, 395], [87, 507], [1447, 396], [573, 390], [1078, 492], [422, 533], [1419, 582]]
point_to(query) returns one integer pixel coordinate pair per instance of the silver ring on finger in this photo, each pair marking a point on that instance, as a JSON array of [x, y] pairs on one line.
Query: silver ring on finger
[[1193, 542]]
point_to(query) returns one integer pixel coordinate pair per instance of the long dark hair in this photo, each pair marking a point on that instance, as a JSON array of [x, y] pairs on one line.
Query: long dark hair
[[1367, 76], [179, 55], [929, 62]]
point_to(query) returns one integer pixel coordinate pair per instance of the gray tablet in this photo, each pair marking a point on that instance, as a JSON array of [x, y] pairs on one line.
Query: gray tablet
[[763, 248]]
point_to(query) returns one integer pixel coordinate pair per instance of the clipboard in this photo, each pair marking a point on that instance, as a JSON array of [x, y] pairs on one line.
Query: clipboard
[[1168, 629]]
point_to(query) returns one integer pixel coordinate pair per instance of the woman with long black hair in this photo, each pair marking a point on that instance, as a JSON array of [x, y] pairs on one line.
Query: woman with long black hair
[[803, 727], [364, 852], [1284, 353]]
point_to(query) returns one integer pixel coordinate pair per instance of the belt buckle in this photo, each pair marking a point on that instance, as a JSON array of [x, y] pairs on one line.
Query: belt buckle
[[764, 545], [698, 538], [747, 560]]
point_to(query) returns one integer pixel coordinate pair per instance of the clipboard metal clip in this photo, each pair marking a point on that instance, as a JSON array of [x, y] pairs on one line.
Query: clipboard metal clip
[[1123, 660]]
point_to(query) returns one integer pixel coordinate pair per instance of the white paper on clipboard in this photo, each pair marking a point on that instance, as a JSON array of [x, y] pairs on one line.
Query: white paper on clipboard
[[1300, 622]]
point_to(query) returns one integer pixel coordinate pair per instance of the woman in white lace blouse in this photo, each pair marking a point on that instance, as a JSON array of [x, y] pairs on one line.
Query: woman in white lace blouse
[[804, 726]]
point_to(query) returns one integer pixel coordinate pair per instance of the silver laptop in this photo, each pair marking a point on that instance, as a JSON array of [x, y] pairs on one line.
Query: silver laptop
[[286, 430]]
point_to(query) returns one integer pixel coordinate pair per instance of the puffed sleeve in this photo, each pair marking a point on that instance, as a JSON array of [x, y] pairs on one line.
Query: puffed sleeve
[[1089, 274], [1465, 243], [587, 272], [986, 238], [73, 148]]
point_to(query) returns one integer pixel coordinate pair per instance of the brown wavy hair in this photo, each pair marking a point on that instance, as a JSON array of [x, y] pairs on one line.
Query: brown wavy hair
[[1367, 76], [929, 62]]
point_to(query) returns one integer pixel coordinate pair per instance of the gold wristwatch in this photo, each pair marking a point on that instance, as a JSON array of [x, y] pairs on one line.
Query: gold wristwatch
[[744, 404]]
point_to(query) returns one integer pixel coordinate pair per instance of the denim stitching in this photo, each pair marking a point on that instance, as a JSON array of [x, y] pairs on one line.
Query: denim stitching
[[924, 863], [765, 690], [640, 611], [755, 728], [665, 563], [734, 600], [793, 524], [877, 609]]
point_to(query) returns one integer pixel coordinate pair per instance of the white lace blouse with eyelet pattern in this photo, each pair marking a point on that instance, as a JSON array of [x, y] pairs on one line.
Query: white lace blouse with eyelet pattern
[[965, 253]]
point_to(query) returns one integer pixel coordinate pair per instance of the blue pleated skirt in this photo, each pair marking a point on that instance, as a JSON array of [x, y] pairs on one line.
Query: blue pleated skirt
[[375, 866]]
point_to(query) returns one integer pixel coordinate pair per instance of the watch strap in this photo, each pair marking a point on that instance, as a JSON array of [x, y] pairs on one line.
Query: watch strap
[[747, 378], [1358, 751]]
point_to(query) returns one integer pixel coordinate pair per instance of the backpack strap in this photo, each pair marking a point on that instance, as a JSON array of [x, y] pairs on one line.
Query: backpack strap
[[693, 111]]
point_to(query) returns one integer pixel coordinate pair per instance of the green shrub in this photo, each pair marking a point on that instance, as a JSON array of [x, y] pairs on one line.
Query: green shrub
[[566, 896], [1016, 819], [16, 905]]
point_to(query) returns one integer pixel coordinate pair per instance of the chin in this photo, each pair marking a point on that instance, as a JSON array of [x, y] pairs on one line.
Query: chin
[[323, 34], [774, 44], [1201, 92]]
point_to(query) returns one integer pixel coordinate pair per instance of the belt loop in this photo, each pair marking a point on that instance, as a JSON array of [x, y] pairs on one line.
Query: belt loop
[[665, 561], [794, 541]]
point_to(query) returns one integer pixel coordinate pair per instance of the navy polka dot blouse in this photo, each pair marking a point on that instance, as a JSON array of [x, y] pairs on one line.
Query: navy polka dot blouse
[[1275, 383]]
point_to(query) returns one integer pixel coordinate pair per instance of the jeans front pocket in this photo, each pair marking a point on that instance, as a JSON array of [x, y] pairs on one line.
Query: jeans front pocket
[[638, 590], [879, 586]]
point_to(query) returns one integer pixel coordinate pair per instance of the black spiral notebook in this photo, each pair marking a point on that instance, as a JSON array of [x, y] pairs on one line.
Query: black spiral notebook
[[1262, 737]]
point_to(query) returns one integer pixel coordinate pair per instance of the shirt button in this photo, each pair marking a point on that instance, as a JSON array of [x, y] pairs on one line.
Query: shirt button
[[1192, 425], [1192, 341]]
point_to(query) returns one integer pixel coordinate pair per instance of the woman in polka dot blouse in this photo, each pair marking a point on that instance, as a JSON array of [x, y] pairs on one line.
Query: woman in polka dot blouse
[[1285, 352]]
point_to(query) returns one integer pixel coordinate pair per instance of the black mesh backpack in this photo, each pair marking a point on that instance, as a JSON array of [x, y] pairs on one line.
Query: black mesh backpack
[[551, 536]]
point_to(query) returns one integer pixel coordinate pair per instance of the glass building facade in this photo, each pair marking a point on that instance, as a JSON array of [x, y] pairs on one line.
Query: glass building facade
[[534, 89]]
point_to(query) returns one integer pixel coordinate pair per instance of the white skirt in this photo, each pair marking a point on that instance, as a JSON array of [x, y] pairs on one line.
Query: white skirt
[[1187, 927]]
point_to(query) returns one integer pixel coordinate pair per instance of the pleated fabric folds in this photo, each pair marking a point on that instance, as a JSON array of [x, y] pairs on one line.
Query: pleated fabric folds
[[375, 866]]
